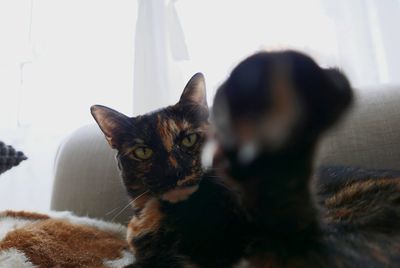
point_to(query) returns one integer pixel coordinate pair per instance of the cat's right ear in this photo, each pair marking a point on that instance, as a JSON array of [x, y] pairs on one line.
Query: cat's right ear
[[110, 122], [195, 90]]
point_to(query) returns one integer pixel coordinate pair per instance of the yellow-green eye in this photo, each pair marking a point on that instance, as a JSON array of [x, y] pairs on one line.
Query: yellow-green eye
[[143, 153], [189, 140]]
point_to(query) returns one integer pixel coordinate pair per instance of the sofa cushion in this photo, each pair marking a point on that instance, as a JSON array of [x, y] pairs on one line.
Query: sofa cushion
[[368, 135]]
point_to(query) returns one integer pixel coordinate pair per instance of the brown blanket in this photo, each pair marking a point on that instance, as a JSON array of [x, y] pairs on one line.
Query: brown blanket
[[61, 239]]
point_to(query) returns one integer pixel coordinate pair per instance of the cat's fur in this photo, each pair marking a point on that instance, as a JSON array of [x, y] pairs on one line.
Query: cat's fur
[[184, 217], [269, 116], [359, 198]]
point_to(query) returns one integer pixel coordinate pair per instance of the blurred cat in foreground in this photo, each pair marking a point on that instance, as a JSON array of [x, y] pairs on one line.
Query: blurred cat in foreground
[[268, 117]]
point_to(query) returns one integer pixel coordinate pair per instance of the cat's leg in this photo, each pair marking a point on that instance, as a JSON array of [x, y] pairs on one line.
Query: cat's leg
[[156, 249], [152, 243]]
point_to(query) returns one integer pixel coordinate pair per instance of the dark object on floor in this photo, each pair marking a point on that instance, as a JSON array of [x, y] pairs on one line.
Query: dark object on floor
[[9, 157]]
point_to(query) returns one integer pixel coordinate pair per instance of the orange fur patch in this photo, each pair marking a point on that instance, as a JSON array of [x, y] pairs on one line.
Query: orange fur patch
[[189, 178], [167, 130], [173, 161], [358, 188], [173, 127], [184, 125], [141, 201], [147, 221], [179, 194], [341, 213]]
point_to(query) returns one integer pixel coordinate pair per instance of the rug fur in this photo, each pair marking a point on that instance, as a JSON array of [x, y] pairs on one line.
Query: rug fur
[[61, 239]]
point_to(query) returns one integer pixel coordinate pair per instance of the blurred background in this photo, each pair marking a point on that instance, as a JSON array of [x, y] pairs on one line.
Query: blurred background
[[59, 57]]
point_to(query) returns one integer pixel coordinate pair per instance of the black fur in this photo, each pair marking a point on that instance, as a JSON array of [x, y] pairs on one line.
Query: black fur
[[348, 224]]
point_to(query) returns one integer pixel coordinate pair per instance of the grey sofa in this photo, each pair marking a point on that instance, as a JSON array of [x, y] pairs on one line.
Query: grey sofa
[[86, 180]]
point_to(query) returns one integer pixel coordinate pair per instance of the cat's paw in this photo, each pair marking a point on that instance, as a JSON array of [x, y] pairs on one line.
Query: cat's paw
[[276, 102]]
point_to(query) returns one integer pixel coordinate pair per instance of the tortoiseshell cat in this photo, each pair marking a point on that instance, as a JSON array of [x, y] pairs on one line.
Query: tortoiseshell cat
[[360, 198], [184, 217], [269, 116]]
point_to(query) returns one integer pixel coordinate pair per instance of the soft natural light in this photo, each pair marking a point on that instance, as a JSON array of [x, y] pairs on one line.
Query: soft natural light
[[57, 58], [216, 47]]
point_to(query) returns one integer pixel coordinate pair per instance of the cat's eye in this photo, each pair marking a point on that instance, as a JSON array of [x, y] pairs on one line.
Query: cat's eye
[[143, 153], [189, 140]]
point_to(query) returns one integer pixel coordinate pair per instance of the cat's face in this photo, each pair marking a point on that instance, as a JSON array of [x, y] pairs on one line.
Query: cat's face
[[160, 151]]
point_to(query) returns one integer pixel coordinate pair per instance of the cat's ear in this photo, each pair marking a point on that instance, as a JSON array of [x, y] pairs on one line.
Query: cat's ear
[[110, 122], [327, 93], [340, 94], [195, 90]]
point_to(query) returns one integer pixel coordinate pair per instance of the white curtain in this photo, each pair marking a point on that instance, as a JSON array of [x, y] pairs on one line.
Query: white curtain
[[57, 58], [159, 42], [359, 36], [368, 38]]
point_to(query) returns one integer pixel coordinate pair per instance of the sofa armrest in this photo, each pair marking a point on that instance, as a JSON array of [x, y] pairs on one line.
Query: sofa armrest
[[86, 179]]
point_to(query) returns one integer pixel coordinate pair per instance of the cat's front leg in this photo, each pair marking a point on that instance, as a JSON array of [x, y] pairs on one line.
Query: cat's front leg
[[155, 250], [149, 239], [143, 229], [147, 221]]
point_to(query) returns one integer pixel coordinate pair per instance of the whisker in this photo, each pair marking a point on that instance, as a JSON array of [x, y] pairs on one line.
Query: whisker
[[111, 211], [122, 210], [130, 203], [145, 192]]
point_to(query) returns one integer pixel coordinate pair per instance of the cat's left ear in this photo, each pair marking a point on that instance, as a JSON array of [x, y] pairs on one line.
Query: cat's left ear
[[111, 123], [195, 90]]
